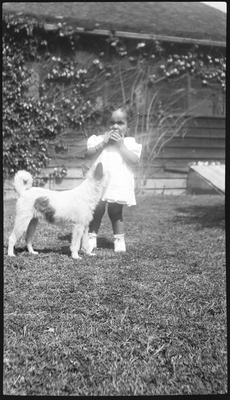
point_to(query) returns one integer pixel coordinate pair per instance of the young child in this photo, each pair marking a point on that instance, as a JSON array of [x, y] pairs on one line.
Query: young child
[[119, 152]]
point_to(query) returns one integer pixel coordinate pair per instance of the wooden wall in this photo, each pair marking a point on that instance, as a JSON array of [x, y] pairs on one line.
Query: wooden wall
[[204, 141]]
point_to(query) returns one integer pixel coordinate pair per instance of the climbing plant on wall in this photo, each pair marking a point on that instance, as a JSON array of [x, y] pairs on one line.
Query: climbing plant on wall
[[31, 127]]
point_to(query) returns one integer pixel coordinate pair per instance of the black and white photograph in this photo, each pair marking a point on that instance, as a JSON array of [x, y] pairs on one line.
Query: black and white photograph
[[114, 240]]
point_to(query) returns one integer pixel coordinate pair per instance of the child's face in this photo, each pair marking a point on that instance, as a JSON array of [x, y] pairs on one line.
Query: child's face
[[118, 122]]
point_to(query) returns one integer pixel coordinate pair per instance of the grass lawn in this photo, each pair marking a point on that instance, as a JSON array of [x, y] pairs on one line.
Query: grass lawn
[[151, 321]]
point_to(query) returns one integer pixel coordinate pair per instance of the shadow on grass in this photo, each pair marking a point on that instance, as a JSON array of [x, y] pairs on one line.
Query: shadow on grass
[[64, 250], [67, 237], [102, 241], [206, 216]]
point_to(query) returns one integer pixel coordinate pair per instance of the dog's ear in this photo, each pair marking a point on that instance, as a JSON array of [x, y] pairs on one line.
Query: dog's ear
[[84, 169], [98, 172]]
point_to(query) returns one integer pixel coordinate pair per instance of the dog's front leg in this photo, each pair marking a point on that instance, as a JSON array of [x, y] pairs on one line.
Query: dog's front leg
[[85, 242], [76, 240]]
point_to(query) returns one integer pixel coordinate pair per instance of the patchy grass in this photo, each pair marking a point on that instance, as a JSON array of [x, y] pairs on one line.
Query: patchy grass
[[151, 321]]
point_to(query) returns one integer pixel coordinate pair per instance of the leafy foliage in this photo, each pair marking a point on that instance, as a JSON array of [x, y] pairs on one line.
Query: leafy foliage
[[31, 126]]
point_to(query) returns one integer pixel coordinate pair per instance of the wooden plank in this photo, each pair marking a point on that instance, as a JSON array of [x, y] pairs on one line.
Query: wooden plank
[[201, 122], [204, 133], [191, 154], [205, 143], [207, 122], [75, 162], [71, 183], [214, 175], [156, 174], [72, 173], [52, 184], [196, 185], [9, 194], [178, 157], [181, 165], [8, 184], [167, 192], [72, 152], [166, 183], [191, 133], [65, 184], [189, 130]]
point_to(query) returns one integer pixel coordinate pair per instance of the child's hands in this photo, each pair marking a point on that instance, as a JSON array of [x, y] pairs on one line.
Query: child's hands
[[113, 136], [107, 136], [116, 137]]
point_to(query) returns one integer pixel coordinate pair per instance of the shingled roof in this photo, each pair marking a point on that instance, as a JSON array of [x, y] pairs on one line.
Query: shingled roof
[[175, 19]]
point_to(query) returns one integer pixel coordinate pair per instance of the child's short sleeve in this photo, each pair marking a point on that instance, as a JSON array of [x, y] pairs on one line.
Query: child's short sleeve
[[133, 146], [94, 140]]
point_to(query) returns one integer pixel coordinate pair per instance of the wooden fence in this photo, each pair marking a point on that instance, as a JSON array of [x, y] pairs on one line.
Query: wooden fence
[[204, 141]]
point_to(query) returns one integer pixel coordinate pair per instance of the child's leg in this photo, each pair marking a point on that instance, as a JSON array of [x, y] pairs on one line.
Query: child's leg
[[95, 225], [115, 215], [98, 214]]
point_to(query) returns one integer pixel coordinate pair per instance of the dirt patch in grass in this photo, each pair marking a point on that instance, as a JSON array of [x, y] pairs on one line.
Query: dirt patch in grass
[[151, 321]]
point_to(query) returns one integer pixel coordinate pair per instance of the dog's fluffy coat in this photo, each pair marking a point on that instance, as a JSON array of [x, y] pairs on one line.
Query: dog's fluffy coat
[[72, 206]]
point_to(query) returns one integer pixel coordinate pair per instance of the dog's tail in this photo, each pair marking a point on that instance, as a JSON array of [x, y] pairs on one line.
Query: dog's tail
[[23, 180]]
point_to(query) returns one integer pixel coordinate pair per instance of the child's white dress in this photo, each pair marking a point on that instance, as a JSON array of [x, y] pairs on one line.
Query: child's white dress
[[120, 188]]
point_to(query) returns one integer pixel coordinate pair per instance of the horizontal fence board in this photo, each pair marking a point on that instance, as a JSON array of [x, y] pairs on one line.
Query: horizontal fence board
[[52, 184], [72, 173], [182, 165], [182, 168], [9, 194], [68, 162], [183, 145], [167, 192], [157, 173], [207, 122], [176, 192], [175, 164], [159, 186], [8, 184], [166, 183], [170, 151], [197, 143], [204, 133], [61, 158], [198, 123], [189, 154], [170, 165], [64, 184], [191, 133]]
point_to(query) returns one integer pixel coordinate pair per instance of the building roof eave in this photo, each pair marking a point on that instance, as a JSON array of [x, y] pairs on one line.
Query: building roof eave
[[53, 25], [150, 36]]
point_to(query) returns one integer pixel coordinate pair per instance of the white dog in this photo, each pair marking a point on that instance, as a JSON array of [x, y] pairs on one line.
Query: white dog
[[76, 206]]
